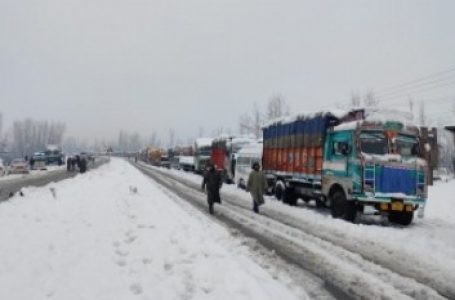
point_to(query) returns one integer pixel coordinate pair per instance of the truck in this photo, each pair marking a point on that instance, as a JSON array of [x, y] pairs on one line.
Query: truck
[[202, 154], [157, 157], [224, 154], [246, 157], [356, 161]]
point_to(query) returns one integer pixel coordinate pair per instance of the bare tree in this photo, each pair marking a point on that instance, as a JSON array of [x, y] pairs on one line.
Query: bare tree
[[30, 136], [355, 99], [411, 106], [277, 107], [370, 99], [245, 124], [171, 138], [422, 114]]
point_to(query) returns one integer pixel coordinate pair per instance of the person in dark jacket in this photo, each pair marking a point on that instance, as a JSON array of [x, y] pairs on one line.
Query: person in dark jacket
[[82, 165], [211, 184], [69, 166], [256, 185]]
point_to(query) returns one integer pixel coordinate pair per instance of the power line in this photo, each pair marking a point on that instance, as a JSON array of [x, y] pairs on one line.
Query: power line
[[422, 84], [387, 99], [420, 79]]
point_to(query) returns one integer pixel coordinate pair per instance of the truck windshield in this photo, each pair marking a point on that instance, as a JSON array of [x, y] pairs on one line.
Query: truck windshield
[[205, 151], [406, 145], [373, 142]]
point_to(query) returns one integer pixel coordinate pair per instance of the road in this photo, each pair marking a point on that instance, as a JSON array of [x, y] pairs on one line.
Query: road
[[12, 186], [345, 269]]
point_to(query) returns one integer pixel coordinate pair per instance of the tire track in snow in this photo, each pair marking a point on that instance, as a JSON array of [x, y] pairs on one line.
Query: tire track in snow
[[315, 253]]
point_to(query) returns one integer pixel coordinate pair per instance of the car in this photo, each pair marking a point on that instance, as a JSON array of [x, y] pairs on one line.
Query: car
[[38, 161], [18, 166]]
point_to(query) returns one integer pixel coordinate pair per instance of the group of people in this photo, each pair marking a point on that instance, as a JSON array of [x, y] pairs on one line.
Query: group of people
[[76, 161], [256, 185]]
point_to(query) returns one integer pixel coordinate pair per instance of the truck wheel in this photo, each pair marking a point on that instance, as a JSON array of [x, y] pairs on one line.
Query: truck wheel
[[320, 203], [401, 217], [342, 208], [290, 197], [241, 184], [279, 191]]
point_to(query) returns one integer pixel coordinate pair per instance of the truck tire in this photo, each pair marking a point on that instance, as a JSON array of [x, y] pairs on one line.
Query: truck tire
[[290, 197], [320, 203], [341, 207], [279, 190], [401, 217]]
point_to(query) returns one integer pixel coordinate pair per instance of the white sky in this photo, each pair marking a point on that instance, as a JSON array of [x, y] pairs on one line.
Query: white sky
[[102, 66]]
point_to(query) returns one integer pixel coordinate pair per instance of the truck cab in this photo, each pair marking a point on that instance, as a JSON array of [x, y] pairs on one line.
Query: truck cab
[[374, 167]]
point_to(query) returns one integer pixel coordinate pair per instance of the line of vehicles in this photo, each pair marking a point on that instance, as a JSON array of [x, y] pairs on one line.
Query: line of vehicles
[[52, 155], [359, 161]]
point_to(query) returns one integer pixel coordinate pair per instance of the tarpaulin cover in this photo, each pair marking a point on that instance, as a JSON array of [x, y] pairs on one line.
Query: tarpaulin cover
[[395, 180]]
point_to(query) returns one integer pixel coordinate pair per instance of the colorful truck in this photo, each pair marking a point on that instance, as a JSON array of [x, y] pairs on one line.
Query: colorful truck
[[357, 161], [224, 154]]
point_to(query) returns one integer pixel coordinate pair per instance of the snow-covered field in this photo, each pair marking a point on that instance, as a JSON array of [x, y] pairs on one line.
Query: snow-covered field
[[112, 233]]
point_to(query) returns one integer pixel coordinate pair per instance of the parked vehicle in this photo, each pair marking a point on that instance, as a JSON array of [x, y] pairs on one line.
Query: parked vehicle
[[224, 151], [39, 160], [157, 157], [18, 166], [246, 157], [358, 161], [186, 163], [202, 154]]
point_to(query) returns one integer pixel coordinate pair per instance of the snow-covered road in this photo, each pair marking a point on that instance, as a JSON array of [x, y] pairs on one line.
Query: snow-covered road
[[114, 234], [417, 256]]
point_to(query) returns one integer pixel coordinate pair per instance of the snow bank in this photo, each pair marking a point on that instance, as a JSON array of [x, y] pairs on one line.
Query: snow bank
[[114, 234]]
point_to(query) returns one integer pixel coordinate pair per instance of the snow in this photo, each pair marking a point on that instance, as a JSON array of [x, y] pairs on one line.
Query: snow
[[253, 148], [188, 160], [112, 233], [425, 249], [204, 142], [440, 208], [337, 113], [32, 173]]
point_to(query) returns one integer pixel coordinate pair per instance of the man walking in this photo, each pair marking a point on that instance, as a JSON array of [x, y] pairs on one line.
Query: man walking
[[256, 185], [211, 184]]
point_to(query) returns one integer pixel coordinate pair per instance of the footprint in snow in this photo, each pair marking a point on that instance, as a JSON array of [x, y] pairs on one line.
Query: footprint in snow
[[116, 244], [130, 239], [168, 267], [121, 253], [121, 262], [136, 288], [147, 261]]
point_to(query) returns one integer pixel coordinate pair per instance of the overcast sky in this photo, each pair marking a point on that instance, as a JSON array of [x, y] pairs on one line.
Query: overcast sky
[[102, 66]]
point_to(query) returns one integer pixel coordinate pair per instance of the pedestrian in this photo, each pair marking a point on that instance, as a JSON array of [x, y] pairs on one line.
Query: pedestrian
[[69, 164], [211, 184], [256, 185], [83, 165], [73, 163], [32, 163]]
